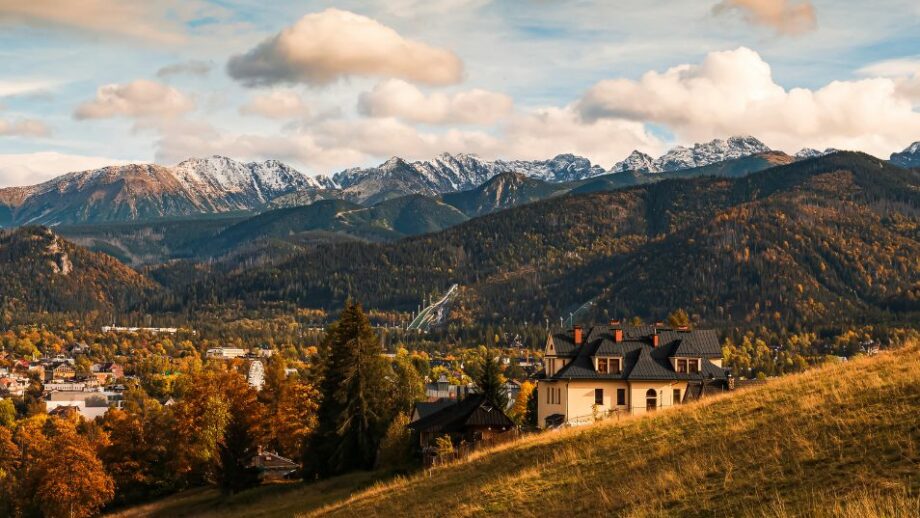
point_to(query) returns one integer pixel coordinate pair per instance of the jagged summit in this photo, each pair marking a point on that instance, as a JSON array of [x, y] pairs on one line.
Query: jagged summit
[[636, 161], [449, 172], [701, 154]]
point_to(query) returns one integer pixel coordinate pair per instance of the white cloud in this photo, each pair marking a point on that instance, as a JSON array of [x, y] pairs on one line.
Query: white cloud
[[397, 98], [905, 72], [181, 139], [33, 168], [139, 99], [733, 92], [278, 104], [330, 145], [9, 88], [23, 128], [136, 19], [897, 67], [786, 16], [547, 132], [323, 47]]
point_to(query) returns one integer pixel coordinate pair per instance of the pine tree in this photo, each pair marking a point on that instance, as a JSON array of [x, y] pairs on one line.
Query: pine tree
[[356, 397], [240, 439], [491, 382]]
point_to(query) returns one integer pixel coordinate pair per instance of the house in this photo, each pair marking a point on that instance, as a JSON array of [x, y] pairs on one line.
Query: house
[[61, 371], [444, 389], [106, 372], [13, 385], [272, 466], [618, 369], [65, 412], [225, 353], [89, 403], [70, 386], [470, 421]]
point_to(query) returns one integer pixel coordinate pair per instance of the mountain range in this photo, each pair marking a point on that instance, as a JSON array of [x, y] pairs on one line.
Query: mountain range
[[795, 243], [219, 185], [137, 192]]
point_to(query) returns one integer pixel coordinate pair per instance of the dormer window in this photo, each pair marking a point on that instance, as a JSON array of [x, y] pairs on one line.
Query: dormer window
[[607, 365], [687, 365]]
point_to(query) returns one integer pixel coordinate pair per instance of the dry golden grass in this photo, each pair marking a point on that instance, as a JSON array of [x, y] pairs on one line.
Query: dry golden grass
[[839, 441]]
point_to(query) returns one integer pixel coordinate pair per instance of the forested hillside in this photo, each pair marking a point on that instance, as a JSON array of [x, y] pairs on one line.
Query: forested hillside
[[42, 272], [822, 240]]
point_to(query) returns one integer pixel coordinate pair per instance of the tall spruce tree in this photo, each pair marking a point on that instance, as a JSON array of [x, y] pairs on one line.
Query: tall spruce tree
[[491, 381], [356, 389]]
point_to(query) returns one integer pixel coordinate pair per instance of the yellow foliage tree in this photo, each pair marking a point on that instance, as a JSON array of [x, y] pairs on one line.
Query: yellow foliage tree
[[519, 410]]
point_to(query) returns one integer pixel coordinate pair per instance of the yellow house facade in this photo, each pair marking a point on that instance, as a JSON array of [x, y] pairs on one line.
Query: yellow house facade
[[606, 370]]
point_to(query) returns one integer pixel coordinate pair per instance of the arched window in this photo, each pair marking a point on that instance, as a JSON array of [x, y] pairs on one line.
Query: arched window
[[651, 400]]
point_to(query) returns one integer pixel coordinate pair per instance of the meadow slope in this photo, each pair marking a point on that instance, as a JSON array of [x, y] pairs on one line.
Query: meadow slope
[[841, 440]]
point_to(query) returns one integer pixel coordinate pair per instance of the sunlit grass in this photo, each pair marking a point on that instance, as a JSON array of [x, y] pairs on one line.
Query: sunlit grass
[[837, 441]]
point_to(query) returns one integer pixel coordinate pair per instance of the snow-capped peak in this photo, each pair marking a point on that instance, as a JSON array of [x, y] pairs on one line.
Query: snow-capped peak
[[806, 153], [636, 161], [910, 157], [701, 154]]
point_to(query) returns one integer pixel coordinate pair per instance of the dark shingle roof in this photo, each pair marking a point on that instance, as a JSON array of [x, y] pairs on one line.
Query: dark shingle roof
[[701, 389], [426, 408], [640, 359], [472, 411]]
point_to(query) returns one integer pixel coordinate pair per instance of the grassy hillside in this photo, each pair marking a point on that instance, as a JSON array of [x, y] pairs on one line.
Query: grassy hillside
[[843, 440]]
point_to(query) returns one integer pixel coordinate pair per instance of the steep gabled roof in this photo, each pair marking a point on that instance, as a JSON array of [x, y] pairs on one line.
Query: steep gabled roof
[[641, 360], [475, 410]]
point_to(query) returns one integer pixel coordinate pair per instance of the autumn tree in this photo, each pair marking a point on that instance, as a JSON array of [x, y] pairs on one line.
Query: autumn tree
[[396, 447], [201, 416], [7, 413], [139, 456], [218, 429], [9, 465], [409, 387], [679, 318], [519, 410], [356, 397], [74, 482]]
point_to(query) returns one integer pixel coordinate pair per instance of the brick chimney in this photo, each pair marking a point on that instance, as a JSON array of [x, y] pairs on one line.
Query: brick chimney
[[577, 335], [616, 330], [655, 339]]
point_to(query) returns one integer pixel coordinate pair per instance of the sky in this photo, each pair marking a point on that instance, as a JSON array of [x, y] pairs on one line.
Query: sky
[[330, 85]]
